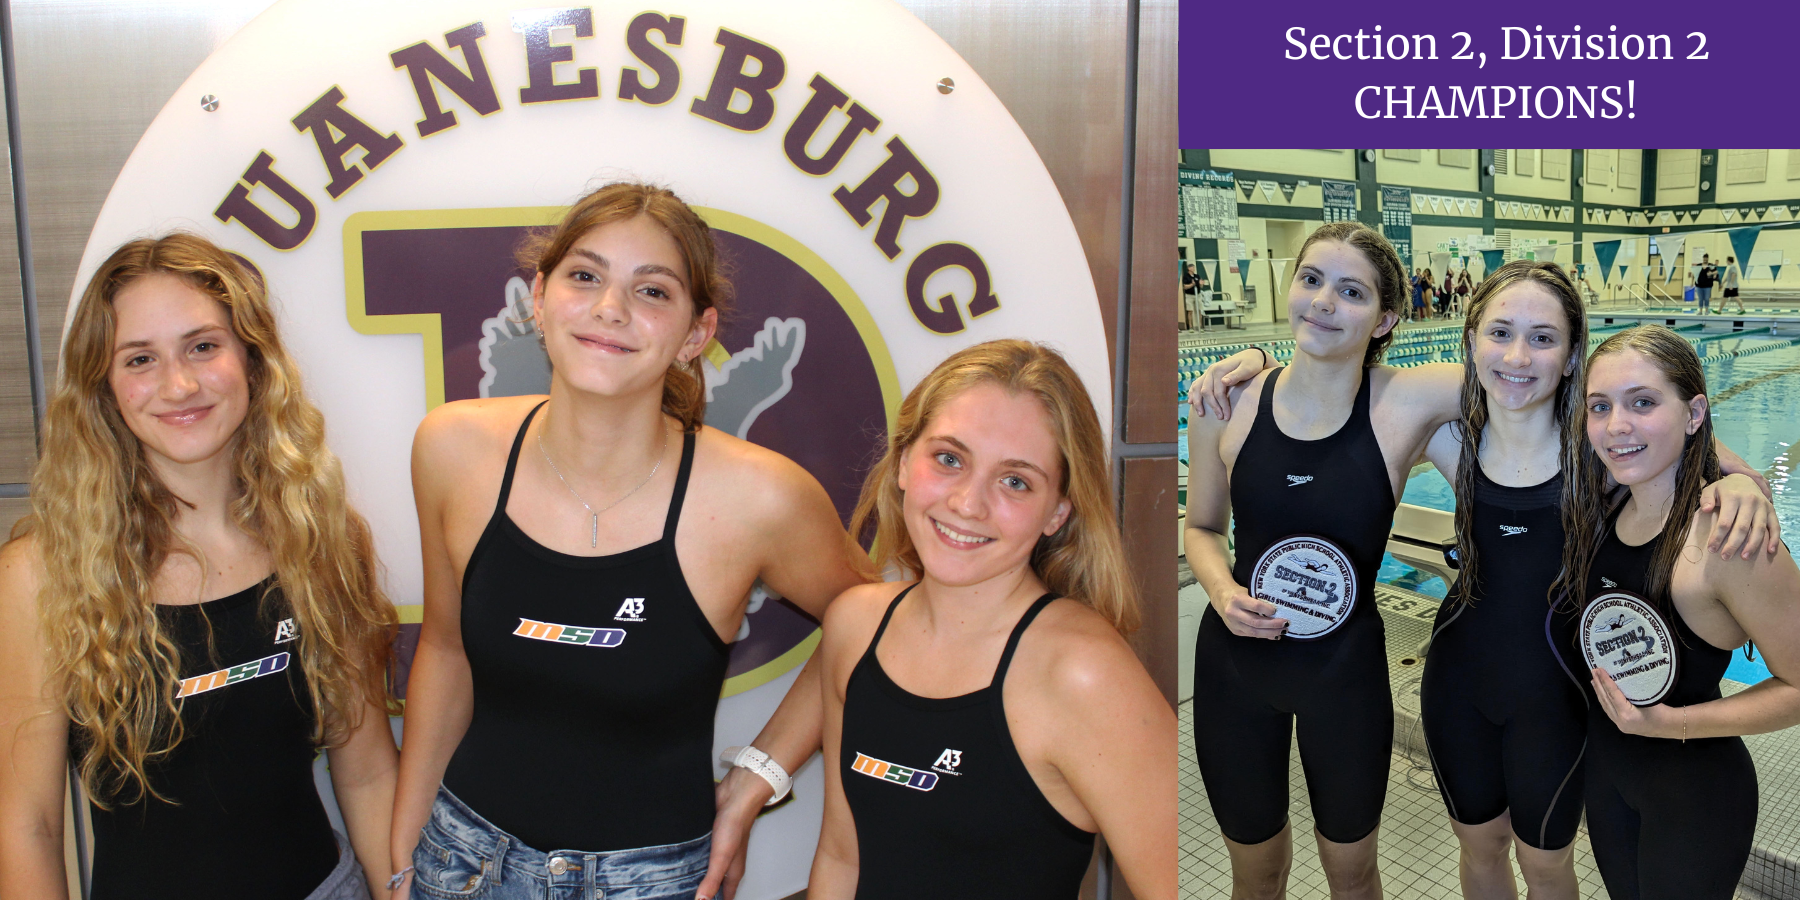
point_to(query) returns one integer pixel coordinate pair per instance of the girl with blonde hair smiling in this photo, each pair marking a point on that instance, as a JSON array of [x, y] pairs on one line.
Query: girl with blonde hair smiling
[[985, 720], [191, 608]]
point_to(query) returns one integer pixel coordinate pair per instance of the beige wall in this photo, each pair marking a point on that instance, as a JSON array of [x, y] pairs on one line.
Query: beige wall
[[1426, 173], [1613, 176], [1668, 163], [1339, 164], [1775, 184]]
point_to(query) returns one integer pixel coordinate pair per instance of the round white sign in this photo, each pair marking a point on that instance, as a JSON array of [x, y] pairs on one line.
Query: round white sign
[[1624, 636], [1311, 579]]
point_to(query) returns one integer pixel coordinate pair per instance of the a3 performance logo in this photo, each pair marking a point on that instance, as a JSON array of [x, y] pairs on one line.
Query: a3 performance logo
[[632, 610], [947, 762], [887, 771], [285, 632], [200, 684], [570, 634]]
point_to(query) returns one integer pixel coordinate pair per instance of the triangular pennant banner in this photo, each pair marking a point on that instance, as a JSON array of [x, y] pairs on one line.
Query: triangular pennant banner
[[1268, 189], [1604, 252], [1624, 271], [1580, 269], [1287, 190], [1492, 259], [1419, 202], [1681, 215], [1212, 266], [1746, 270], [1669, 247], [1644, 272], [1793, 210], [1727, 214], [1248, 187], [1743, 212], [1743, 240], [1435, 201], [1774, 272], [1276, 268], [1761, 211], [1244, 271]]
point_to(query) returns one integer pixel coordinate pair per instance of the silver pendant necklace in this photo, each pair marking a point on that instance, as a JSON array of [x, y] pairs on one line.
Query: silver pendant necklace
[[594, 515]]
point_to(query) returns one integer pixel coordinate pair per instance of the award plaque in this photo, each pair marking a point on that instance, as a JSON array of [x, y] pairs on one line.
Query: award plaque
[[1623, 635], [1311, 579]]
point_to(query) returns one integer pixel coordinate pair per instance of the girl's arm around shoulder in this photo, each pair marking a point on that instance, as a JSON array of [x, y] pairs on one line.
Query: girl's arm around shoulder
[[1111, 738], [767, 505], [1427, 395], [33, 738]]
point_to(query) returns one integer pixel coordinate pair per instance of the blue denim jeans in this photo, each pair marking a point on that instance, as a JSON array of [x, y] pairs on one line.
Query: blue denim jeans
[[461, 855], [346, 882]]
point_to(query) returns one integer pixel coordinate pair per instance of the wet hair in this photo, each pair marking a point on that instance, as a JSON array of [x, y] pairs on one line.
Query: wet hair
[[1390, 273], [684, 389], [104, 524], [1084, 560], [1568, 405], [1584, 519]]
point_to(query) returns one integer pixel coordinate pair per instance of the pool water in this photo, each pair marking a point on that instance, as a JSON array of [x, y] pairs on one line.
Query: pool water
[[1754, 397]]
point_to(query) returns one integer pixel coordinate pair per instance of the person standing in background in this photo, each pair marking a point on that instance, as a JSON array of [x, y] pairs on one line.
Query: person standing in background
[[1732, 273], [1703, 283]]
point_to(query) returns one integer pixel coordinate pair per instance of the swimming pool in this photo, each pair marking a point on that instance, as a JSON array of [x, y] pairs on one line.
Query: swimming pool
[[1754, 384]]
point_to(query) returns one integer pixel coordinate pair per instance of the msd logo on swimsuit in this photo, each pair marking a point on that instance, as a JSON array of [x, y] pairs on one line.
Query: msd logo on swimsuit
[[887, 771], [570, 634], [200, 684]]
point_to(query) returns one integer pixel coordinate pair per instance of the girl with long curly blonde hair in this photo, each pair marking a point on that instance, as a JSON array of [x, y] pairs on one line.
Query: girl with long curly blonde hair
[[192, 608], [1003, 684]]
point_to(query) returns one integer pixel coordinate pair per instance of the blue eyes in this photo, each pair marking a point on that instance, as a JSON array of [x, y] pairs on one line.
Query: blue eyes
[[950, 460]]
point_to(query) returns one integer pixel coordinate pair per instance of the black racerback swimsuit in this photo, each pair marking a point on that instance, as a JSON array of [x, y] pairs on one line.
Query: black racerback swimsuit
[[943, 804], [242, 816], [1250, 692], [1505, 722], [1669, 820], [596, 681]]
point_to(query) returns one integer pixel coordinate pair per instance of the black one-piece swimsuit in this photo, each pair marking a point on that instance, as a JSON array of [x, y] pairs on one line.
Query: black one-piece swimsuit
[[1505, 722], [1669, 819], [1250, 692]]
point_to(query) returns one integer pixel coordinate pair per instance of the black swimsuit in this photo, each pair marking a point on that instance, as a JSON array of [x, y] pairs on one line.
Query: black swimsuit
[[243, 817], [596, 679], [944, 807], [1505, 722], [1249, 692], [1669, 820]]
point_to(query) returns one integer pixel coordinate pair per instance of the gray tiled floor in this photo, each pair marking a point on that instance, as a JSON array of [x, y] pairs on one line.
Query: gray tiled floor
[[1418, 851]]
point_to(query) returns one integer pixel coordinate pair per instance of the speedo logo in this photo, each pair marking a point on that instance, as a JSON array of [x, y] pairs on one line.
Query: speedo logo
[[570, 634], [1608, 582], [1510, 530], [887, 771], [212, 681], [1297, 480]]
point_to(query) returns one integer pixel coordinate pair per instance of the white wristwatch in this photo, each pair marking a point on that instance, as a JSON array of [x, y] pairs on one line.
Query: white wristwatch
[[759, 762]]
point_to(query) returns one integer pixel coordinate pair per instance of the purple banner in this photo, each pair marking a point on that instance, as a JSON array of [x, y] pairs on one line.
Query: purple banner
[[1418, 73]]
